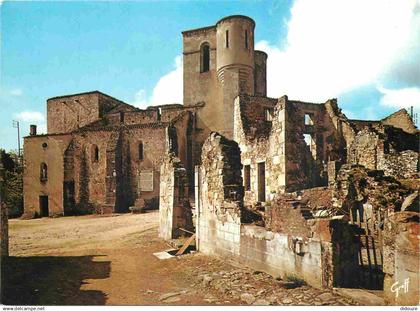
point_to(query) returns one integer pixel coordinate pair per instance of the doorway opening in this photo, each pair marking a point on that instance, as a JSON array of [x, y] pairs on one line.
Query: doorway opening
[[43, 205], [261, 181]]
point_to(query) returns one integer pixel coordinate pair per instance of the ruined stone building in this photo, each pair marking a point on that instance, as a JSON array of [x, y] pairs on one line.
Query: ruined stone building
[[285, 186]]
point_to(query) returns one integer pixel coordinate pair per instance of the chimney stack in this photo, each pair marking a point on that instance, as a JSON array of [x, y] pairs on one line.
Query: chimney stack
[[32, 130]]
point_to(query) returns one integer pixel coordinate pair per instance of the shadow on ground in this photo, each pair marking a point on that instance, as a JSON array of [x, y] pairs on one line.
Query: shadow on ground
[[48, 280]]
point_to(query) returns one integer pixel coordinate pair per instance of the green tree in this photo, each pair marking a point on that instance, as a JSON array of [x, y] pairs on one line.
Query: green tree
[[13, 183]]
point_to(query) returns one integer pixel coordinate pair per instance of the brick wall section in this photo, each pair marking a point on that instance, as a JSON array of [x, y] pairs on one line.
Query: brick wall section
[[401, 258], [283, 217]]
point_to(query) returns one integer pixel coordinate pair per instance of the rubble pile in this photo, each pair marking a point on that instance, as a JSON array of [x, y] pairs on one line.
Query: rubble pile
[[259, 288]]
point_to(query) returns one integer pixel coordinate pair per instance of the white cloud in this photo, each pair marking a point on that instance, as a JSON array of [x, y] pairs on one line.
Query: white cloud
[[30, 116], [42, 128], [168, 90], [333, 46], [16, 92], [400, 98]]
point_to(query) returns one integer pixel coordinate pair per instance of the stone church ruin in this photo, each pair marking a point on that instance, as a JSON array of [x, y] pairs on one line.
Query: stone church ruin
[[287, 187]]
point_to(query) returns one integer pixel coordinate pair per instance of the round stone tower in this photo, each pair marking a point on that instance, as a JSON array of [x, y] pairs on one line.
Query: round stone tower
[[235, 51]]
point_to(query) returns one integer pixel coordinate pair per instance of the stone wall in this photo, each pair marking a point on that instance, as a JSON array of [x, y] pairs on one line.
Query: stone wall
[[291, 161], [312, 255], [401, 119], [99, 168], [401, 259], [219, 196], [174, 209], [386, 148], [68, 113]]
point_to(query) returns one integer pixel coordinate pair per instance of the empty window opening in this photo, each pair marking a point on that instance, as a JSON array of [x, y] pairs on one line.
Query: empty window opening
[[309, 119], [43, 205], [246, 39], [205, 57], [247, 177], [43, 172], [227, 38], [122, 117], [310, 142], [95, 153], [141, 155], [261, 182], [159, 113], [268, 114]]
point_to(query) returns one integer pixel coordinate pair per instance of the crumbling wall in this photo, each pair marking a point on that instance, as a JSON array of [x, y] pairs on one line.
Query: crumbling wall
[[261, 141], [362, 193], [401, 119], [295, 144], [174, 209], [286, 217], [386, 148], [220, 195], [309, 253], [401, 258]]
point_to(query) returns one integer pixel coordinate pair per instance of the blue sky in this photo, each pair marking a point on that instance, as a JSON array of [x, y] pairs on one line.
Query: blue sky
[[131, 50]]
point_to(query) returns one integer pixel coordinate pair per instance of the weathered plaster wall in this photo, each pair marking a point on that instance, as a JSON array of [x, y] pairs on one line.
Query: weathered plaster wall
[[401, 258], [50, 150], [174, 209]]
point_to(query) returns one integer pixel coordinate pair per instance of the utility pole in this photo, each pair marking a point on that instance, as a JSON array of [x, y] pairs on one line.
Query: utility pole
[[16, 125]]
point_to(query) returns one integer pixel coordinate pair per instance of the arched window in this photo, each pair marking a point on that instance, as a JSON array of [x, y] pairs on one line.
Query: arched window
[[205, 57], [95, 153], [141, 151], [43, 176]]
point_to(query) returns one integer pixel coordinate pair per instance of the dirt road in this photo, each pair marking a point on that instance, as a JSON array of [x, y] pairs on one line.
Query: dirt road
[[97, 260]]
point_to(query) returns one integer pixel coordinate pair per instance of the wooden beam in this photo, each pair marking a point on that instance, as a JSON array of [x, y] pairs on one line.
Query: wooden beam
[[185, 246]]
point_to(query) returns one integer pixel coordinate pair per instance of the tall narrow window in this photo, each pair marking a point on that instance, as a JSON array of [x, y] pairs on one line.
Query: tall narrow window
[[141, 151], [96, 155], [227, 38], [246, 39], [121, 116], [247, 177], [205, 57], [43, 172]]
